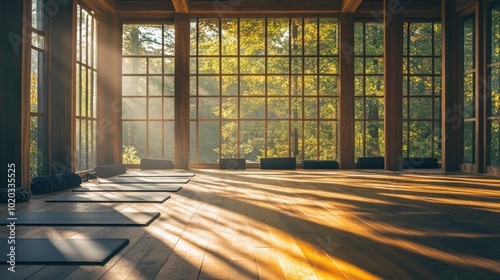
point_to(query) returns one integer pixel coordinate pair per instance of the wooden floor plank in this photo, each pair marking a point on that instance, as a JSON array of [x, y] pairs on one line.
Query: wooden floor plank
[[296, 224]]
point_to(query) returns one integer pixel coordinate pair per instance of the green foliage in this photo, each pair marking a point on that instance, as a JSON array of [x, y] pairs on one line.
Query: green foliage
[[265, 120], [129, 154]]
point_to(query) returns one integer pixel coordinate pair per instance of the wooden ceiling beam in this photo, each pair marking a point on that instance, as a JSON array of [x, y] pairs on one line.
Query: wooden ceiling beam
[[350, 6], [108, 6], [181, 6], [270, 6]]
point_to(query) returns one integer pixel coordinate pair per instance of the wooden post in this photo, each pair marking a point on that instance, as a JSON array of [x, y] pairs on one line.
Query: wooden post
[[393, 83], [11, 114], [109, 145], [346, 97], [481, 87], [451, 114], [60, 89], [181, 122]]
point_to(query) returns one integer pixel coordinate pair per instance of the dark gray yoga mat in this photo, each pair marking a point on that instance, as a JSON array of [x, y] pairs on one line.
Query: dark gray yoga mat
[[75, 251], [83, 218], [110, 197], [144, 180], [157, 175], [128, 188]]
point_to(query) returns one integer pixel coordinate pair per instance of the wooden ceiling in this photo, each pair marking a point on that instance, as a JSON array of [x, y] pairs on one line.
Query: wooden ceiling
[[168, 8]]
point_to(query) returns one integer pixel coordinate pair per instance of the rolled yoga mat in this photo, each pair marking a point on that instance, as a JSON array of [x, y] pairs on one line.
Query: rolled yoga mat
[[53, 183]]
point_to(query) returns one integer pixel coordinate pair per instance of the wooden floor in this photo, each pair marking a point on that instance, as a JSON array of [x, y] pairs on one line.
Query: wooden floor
[[263, 224]]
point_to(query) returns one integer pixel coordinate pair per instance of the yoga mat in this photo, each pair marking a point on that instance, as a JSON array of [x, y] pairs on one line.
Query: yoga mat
[[128, 188], [159, 175], [75, 251], [110, 197], [83, 218], [148, 180]]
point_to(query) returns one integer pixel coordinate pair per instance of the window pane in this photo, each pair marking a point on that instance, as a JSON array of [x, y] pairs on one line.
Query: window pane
[[252, 65], [468, 92], [328, 36], [168, 138], [208, 85], [277, 139], [134, 141], [133, 85], [168, 108], [421, 139], [277, 108], [252, 140], [495, 34], [310, 36], [154, 139], [142, 39], [229, 140], [421, 39], [328, 140], [278, 65], [495, 91], [230, 108], [155, 86], [277, 85], [252, 85], [229, 36], [469, 144], [278, 36], [208, 108], [208, 37], [494, 143], [310, 140], [468, 44], [252, 37], [208, 65], [420, 108], [252, 108], [133, 108]]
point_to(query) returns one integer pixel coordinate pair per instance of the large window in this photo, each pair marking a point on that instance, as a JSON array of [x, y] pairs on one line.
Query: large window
[[263, 88], [422, 89], [468, 90], [369, 89], [147, 91], [86, 89], [493, 113], [38, 91]]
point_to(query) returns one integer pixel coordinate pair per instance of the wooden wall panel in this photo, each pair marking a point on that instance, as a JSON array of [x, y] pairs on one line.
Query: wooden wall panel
[[60, 93], [393, 83], [11, 31], [181, 112], [109, 92], [346, 98]]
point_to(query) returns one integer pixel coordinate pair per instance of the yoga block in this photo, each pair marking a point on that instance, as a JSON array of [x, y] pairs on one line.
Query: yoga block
[[150, 163], [418, 162], [320, 164], [232, 163], [110, 170], [278, 163], [371, 162]]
